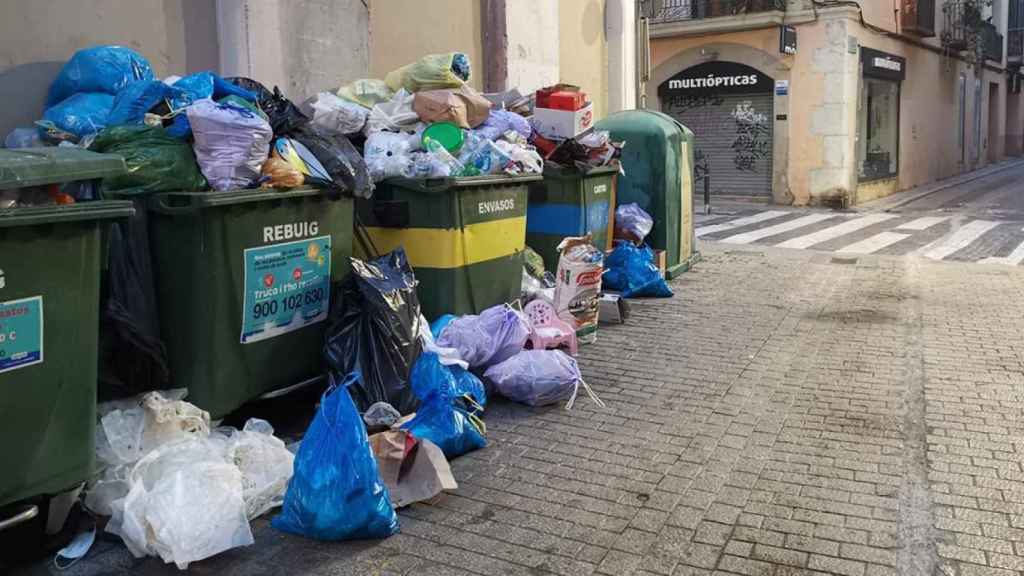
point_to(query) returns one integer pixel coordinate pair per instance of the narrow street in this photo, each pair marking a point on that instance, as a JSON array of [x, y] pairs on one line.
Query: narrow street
[[788, 412]]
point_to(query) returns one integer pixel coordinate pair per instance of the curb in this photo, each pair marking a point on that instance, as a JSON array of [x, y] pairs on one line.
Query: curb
[[945, 186]]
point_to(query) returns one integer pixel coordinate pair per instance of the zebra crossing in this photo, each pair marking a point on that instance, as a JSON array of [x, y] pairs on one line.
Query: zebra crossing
[[936, 237]]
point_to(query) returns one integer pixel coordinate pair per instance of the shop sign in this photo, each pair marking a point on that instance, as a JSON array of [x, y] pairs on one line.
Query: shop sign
[[878, 64], [717, 78], [787, 40]]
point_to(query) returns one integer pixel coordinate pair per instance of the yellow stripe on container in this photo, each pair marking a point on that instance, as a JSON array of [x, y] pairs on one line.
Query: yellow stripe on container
[[454, 247]]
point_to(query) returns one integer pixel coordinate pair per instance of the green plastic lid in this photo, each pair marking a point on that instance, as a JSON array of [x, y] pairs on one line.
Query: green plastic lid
[[447, 133]]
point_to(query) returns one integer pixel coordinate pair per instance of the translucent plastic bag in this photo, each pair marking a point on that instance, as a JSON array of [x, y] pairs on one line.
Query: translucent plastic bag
[[394, 115], [231, 143], [367, 92], [630, 269], [497, 334], [336, 492], [335, 115], [632, 222], [431, 72], [80, 114], [387, 155], [539, 378], [265, 463], [105, 69], [23, 138]]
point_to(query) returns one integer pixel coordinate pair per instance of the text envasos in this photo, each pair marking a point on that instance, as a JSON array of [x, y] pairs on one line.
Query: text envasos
[[493, 206]]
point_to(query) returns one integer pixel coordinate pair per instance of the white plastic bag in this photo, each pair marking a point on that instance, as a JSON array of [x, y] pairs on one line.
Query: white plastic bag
[[265, 463], [387, 155], [185, 504], [336, 115], [231, 143], [394, 115]]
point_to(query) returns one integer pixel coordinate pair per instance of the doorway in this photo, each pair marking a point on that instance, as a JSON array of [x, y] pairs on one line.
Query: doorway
[[995, 134]]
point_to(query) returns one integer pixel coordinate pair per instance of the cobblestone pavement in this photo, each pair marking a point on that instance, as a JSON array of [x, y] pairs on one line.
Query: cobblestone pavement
[[788, 412]]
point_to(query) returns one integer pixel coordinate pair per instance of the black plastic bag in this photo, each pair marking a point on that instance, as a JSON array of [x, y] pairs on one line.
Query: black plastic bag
[[374, 329], [285, 117], [342, 161]]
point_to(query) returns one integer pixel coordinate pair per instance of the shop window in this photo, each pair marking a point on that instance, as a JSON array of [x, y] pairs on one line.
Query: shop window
[[878, 129]]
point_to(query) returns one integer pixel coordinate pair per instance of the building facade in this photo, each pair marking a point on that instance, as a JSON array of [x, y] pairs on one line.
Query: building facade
[[831, 103]]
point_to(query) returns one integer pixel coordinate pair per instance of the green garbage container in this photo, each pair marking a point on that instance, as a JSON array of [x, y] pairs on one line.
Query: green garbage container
[[50, 261], [570, 203], [464, 237], [243, 284], [658, 165]]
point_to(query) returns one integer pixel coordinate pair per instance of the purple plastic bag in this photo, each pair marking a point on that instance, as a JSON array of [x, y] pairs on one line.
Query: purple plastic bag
[[494, 336], [539, 378]]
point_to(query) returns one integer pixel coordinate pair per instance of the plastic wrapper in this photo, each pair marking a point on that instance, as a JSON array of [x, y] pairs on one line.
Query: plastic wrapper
[[265, 463], [278, 173], [431, 72], [105, 69], [526, 159], [81, 114], [284, 116], [630, 269], [632, 222], [344, 165], [387, 155], [463, 106], [231, 143], [497, 334], [499, 122], [539, 378], [156, 161], [374, 329], [367, 92], [578, 286], [336, 492], [381, 415], [185, 504], [335, 115], [23, 138]]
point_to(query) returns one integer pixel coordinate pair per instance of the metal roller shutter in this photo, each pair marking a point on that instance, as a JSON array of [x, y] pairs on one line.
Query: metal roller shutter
[[733, 132]]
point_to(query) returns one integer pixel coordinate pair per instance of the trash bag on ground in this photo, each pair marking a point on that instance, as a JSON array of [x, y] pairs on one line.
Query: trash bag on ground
[[431, 72], [343, 163], [264, 461], [632, 222], [462, 106], [231, 143], [367, 92], [630, 269], [80, 114], [284, 115], [497, 334], [185, 504], [335, 115], [105, 69], [578, 285], [156, 161], [441, 417], [374, 329], [336, 492], [539, 378]]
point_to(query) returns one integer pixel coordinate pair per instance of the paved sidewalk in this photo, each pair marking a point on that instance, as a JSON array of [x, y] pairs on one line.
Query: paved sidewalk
[[784, 414]]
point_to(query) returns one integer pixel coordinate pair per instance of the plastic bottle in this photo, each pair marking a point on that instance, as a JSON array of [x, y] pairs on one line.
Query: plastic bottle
[[443, 155]]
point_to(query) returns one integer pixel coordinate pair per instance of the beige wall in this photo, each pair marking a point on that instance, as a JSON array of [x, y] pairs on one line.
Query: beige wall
[[37, 37], [403, 30], [583, 49]]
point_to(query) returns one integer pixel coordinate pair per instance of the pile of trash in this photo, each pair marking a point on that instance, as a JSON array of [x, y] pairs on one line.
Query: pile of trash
[[176, 489]]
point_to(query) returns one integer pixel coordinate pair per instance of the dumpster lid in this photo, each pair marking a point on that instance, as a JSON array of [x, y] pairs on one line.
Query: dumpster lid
[[23, 167], [445, 184], [180, 203], [561, 171], [96, 210]]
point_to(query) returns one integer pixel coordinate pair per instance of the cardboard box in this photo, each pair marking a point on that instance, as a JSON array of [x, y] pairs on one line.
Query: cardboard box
[[661, 261], [563, 123], [613, 309]]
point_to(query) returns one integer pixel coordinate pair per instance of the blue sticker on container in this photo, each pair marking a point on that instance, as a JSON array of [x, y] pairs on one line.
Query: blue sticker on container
[[287, 287], [21, 333]]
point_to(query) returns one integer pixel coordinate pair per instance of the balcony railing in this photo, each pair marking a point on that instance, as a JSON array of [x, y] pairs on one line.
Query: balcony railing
[[991, 42], [960, 19], [918, 17], [1015, 46], [683, 10]]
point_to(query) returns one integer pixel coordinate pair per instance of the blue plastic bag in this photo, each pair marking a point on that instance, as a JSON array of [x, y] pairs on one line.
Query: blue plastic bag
[[336, 492], [207, 85], [82, 114], [631, 271], [440, 324], [445, 416], [132, 103], [106, 69]]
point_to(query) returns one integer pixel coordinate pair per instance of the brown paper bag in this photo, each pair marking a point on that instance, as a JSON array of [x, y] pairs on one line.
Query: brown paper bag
[[464, 106]]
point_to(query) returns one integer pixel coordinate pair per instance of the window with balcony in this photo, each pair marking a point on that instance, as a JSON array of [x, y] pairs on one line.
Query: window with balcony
[[682, 10], [918, 17]]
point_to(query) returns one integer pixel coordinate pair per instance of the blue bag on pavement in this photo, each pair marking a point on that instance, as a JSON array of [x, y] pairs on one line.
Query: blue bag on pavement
[[82, 114], [106, 69], [441, 417], [630, 270], [336, 492]]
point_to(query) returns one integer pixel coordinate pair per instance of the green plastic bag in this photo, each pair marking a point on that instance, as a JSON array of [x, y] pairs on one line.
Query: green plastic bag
[[431, 72], [366, 92], [156, 162]]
